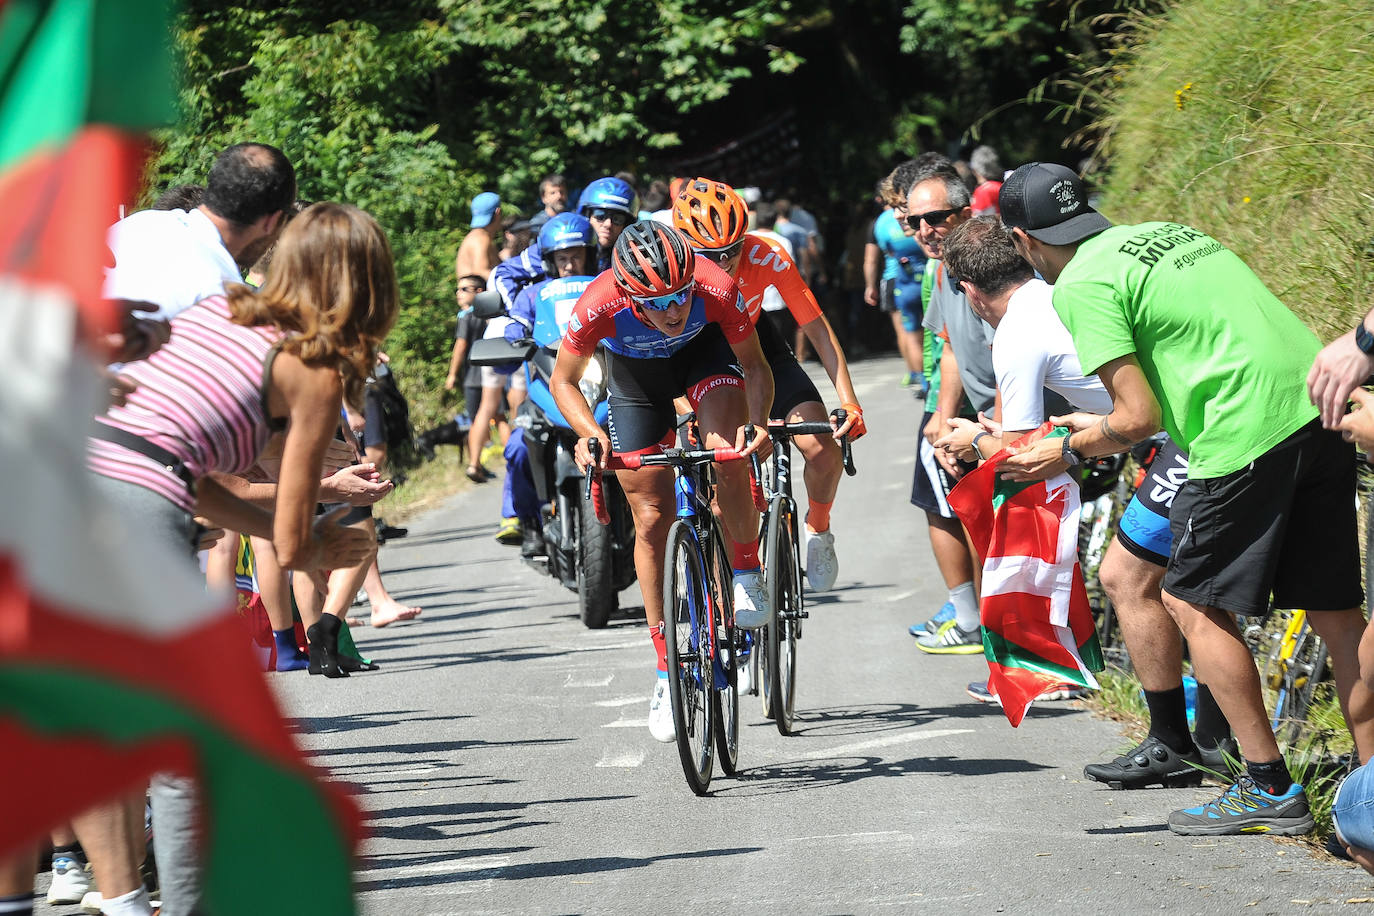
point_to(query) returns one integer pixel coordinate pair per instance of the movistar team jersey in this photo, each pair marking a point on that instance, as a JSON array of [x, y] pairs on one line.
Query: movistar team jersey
[[604, 313], [896, 245], [544, 309]]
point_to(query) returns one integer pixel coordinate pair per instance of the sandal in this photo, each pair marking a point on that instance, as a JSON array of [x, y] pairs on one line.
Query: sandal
[[478, 474]]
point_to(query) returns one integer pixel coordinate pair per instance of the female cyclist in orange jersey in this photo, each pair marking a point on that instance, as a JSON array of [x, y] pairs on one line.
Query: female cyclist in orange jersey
[[715, 220]]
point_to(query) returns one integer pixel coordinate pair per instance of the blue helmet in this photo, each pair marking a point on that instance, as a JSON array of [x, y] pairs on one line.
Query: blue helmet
[[609, 194], [567, 230]]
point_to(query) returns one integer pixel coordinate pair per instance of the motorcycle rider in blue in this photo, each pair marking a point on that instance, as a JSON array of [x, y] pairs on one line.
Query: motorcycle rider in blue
[[541, 311], [609, 204]]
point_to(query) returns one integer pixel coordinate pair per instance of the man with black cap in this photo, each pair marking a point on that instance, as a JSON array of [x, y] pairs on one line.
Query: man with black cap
[[1184, 335]]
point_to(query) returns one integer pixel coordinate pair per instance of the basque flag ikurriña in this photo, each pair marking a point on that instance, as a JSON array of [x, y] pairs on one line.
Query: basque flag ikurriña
[[1037, 625], [114, 663]]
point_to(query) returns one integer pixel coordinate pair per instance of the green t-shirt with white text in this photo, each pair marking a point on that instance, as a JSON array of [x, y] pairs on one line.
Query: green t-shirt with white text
[[1227, 360]]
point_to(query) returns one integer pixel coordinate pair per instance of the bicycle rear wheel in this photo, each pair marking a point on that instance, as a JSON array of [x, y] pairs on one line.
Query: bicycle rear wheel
[[730, 642], [689, 635], [784, 596]]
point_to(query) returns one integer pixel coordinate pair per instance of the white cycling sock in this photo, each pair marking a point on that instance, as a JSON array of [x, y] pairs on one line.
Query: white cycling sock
[[965, 606], [134, 903]]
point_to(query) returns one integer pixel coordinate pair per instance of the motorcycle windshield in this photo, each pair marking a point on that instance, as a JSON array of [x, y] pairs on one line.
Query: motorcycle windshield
[[553, 306]]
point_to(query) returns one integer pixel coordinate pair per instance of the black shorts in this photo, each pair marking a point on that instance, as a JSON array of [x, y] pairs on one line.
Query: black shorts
[[791, 384], [642, 390], [1284, 524], [931, 483], [472, 399], [1144, 527], [374, 428]]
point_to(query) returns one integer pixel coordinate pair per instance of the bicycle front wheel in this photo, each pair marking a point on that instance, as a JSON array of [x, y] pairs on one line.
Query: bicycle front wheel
[[784, 596], [689, 631], [727, 655]]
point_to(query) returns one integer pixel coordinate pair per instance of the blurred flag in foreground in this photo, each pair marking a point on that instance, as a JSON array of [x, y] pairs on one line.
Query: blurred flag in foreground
[[1037, 625], [113, 662]]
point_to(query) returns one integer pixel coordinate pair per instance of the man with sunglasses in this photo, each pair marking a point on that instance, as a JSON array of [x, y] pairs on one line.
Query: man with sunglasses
[[937, 202], [674, 325], [609, 203], [713, 218]]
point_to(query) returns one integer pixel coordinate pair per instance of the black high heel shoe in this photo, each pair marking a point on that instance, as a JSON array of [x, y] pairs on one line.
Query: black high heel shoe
[[324, 647]]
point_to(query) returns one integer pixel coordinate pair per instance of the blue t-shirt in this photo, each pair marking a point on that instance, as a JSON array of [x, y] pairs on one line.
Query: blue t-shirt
[[544, 309], [896, 245]]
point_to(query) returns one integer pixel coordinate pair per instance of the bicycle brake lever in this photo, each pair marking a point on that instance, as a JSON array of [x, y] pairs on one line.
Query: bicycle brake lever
[[839, 415], [593, 449]]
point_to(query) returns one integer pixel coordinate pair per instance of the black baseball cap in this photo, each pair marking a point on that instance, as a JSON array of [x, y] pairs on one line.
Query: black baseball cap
[[1049, 202]]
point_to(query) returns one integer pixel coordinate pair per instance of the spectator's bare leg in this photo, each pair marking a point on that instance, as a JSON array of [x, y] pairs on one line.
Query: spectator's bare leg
[[1341, 631]]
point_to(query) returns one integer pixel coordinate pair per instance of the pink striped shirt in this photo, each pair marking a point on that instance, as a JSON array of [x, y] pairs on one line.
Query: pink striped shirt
[[200, 397]]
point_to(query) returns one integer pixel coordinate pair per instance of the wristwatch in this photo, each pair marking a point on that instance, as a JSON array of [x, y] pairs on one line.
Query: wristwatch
[[1070, 454], [976, 450], [1363, 339]]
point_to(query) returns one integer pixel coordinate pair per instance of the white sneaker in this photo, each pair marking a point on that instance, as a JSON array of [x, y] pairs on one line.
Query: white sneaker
[[822, 566], [751, 604], [71, 880], [661, 714], [744, 675]]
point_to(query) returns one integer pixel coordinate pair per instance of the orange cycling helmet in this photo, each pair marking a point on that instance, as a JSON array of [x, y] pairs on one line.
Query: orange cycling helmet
[[652, 260], [711, 214]]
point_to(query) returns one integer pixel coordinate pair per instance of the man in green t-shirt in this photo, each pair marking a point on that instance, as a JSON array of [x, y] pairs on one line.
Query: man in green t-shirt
[[1185, 336]]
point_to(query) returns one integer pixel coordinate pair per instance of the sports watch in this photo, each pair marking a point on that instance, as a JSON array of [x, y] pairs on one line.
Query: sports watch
[[1363, 339], [1070, 454]]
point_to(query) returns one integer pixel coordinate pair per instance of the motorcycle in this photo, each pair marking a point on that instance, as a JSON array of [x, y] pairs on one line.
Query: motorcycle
[[595, 560]]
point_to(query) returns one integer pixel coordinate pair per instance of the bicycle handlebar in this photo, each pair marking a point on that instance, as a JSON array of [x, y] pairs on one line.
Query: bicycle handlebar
[[780, 429], [670, 457]]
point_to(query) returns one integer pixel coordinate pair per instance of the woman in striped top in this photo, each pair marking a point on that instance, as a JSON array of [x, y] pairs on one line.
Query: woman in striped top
[[241, 366]]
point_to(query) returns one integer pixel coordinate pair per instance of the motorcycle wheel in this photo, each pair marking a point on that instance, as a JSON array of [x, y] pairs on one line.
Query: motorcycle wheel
[[596, 595]]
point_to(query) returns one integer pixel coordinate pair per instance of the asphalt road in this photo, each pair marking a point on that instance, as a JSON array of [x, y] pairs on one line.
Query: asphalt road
[[503, 757]]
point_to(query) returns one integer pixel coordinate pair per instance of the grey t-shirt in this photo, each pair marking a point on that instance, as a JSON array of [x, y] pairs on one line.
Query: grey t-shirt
[[969, 336]]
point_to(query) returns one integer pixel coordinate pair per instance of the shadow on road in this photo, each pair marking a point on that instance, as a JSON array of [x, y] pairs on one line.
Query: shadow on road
[[777, 779]]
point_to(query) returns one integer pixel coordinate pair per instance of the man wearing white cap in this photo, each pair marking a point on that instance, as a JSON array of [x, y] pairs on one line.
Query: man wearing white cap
[[478, 253]]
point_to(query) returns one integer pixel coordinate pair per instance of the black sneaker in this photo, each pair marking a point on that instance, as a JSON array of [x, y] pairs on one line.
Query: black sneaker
[[1246, 808], [1336, 847], [1223, 759], [1153, 763], [532, 543]]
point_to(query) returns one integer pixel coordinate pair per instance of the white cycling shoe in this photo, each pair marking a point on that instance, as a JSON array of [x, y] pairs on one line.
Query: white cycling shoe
[[661, 714], [751, 604], [822, 566]]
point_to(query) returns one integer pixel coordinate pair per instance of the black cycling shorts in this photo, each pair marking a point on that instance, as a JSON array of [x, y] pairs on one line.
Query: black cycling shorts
[[642, 390], [791, 384], [1283, 523], [1144, 526]]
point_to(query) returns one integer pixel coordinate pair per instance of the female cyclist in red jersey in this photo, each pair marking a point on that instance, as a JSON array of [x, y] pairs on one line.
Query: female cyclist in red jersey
[[715, 220], [674, 325]]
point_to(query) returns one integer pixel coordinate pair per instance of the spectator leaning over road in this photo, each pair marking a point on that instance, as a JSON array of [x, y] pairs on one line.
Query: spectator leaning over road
[[1181, 331], [478, 252], [938, 202], [236, 368]]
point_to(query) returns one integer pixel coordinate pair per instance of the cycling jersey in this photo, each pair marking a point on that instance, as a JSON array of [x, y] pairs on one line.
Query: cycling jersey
[[763, 263], [604, 314]]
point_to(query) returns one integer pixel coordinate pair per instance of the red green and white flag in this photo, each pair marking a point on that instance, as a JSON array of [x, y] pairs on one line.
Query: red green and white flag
[[1037, 625], [114, 663]]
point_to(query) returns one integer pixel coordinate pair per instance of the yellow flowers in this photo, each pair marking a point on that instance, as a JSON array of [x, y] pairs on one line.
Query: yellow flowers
[[1245, 200], [1180, 95]]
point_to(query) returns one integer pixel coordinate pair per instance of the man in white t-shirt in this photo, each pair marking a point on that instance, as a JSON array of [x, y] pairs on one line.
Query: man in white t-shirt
[[175, 258], [1031, 348]]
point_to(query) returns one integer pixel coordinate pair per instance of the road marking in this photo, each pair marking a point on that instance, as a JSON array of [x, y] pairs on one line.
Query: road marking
[[476, 863], [890, 740], [635, 644], [622, 758], [620, 701], [851, 836], [628, 723], [574, 681], [902, 596]]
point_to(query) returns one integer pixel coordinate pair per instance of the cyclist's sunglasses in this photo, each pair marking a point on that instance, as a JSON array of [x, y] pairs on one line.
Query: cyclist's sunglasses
[[666, 301], [471, 289], [933, 218], [721, 255], [615, 216]]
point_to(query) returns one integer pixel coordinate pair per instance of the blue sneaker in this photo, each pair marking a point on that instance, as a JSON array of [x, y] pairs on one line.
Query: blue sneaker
[[943, 616], [1246, 808]]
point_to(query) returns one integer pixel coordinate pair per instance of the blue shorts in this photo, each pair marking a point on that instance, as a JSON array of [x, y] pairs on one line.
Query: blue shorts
[[905, 300], [1144, 526]]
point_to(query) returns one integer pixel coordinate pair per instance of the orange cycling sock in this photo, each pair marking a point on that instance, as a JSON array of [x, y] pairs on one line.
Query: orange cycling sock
[[746, 556], [660, 647], [818, 516]]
